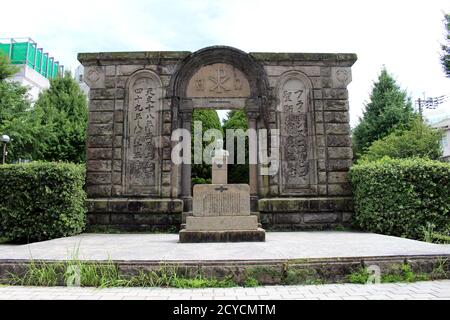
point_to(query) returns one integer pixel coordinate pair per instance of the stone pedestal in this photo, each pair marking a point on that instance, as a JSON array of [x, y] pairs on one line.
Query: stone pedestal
[[221, 213], [219, 170]]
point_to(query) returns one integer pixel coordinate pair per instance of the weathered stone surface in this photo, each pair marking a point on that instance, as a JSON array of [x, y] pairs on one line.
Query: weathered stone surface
[[187, 236], [342, 76], [335, 105], [101, 105], [142, 159], [94, 76], [340, 153], [99, 141], [219, 170], [95, 178], [339, 165], [125, 205], [320, 217], [99, 190], [340, 117], [337, 128], [100, 117], [99, 165], [221, 200], [99, 153], [342, 189], [303, 95], [218, 80], [100, 129], [110, 70], [102, 94], [339, 141], [338, 177], [222, 223], [334, 93], [304, 205]]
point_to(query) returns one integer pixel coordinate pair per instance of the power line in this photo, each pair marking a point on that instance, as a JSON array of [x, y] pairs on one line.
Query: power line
[[430, 103]]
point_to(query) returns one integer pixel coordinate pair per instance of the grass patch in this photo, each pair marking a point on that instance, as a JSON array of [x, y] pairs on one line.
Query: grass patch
[[396, 273], [107, 275]]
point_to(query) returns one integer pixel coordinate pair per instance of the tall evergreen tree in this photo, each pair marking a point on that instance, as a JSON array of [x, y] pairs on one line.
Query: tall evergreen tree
[[389, 108], [63, 110], [445, 56]]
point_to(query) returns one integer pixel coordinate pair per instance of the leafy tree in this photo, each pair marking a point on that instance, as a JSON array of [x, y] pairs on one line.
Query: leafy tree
[[7, 70], [16, 118], [201, 173], [420, 141], [237, 173], [389, 108], [62, 109], [445, 57]]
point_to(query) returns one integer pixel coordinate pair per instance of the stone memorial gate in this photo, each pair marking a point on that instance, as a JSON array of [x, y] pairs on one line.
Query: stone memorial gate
[[138, 99]]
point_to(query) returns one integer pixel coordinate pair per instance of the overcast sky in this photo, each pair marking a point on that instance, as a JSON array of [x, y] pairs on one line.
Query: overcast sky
[[404, 36]]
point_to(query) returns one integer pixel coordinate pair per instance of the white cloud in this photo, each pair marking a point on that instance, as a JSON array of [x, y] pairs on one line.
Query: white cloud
[[403, 35]]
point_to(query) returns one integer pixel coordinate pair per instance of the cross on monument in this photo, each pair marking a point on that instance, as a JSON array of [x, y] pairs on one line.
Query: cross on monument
[[221, 189]]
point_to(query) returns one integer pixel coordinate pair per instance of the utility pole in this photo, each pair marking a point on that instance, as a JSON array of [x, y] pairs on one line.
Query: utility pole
[[430, 103]]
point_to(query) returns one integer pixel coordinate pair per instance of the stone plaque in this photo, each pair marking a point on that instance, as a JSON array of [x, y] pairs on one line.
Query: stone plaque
[[143, 127], [294, 108], [218, 80], [221, 200]]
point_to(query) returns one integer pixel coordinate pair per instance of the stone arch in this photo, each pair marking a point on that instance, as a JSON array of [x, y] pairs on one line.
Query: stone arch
[[182, 104], [296, 120], [141, 140], [219, 54]]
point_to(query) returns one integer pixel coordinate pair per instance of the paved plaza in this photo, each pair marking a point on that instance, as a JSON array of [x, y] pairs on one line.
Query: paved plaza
[[397, 291], [165, 247]]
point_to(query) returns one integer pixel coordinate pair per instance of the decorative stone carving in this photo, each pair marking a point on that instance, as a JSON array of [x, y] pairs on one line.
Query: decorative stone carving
[[294, 107], [218, 80], [218, 86], [142, 167], [94, 77], [341, 77]]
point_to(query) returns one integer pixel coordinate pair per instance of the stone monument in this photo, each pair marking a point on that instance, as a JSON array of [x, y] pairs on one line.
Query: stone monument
[[137, 100], [221, 211]]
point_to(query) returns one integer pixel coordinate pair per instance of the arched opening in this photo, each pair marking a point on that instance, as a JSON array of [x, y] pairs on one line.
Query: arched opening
[[218, 78]]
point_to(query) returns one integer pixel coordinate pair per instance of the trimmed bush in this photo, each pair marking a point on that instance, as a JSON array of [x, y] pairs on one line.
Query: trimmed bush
[[41, 201], [400, 196]]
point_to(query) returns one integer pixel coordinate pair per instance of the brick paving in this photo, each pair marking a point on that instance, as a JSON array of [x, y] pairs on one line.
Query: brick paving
[[398, 291]]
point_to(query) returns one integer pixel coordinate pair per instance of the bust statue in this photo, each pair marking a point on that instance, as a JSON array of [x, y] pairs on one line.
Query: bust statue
[[218, 149]]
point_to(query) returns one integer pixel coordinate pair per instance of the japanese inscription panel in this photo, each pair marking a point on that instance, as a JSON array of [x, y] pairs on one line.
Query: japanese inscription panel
[[142, 167], [295, 137]]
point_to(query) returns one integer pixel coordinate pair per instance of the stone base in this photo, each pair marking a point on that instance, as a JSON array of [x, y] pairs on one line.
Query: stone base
[[315, 213], [134, 214], [223, 236], [222, 223]]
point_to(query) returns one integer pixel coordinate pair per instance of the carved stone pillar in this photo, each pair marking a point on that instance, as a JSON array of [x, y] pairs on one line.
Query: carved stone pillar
[[253, 158], [186, 193]]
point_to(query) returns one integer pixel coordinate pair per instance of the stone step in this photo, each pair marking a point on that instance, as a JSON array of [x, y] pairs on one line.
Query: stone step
[[222, 223]]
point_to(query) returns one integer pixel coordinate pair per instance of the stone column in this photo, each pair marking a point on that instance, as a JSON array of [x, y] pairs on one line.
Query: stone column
[[253, 157], [186, 193]]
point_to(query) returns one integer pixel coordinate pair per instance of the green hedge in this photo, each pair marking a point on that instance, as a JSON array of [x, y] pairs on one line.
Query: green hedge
[[41, 201], [399, 197]]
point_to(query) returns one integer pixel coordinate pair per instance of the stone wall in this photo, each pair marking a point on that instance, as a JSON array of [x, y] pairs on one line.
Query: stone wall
[[137, 99]]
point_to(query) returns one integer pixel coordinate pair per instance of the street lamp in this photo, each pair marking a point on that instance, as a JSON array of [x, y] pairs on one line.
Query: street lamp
[[5, 139]]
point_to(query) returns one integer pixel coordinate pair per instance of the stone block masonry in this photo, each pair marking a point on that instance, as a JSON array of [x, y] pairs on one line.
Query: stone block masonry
[[137, 99]]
